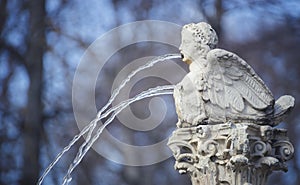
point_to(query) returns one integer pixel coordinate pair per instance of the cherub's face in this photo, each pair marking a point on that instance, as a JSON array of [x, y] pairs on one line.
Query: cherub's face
[[197, 40], [187, 48]]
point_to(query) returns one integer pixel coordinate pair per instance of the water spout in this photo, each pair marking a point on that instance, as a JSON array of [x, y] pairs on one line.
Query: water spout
[[89, 129]]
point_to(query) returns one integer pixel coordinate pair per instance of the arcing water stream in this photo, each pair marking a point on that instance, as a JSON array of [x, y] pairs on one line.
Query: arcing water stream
[[90, 128]]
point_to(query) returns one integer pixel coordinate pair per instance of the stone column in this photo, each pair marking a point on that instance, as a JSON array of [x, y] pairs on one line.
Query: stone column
[[230, 154]]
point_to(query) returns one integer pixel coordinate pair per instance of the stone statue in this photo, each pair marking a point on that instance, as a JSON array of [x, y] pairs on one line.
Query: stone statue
[[221, 86], [226, 117]]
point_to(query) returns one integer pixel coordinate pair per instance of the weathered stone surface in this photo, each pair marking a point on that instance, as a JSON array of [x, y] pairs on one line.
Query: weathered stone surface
[[230, 153], [226, 117], [221, 86]]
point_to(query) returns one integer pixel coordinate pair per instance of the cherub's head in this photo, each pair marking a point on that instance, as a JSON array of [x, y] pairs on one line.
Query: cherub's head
[[196, 41]]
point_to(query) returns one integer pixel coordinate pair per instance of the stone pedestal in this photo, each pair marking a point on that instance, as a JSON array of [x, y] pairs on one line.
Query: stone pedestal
[[231, 154]]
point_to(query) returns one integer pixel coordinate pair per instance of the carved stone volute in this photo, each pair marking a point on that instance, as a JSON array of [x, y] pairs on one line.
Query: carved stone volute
[[230, 153]]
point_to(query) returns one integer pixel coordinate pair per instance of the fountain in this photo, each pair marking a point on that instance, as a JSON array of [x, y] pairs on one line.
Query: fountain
[[90, 128], [226, 116]]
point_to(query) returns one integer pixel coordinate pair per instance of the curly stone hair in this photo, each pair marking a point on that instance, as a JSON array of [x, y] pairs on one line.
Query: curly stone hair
[[202, 33]]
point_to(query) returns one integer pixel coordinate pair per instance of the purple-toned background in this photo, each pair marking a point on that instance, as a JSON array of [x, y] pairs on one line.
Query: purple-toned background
[[43, 42]]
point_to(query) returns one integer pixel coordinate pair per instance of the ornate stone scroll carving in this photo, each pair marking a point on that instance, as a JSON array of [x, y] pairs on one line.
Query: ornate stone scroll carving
[[230, 153], [226, 117]]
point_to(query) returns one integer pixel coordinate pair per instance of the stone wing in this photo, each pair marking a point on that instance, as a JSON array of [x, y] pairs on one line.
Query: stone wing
[[231, 83]]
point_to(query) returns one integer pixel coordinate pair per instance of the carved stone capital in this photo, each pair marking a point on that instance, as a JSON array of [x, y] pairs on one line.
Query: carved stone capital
[[244, 153]]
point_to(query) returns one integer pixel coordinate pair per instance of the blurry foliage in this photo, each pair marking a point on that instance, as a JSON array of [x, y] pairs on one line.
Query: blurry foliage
[[42, 42]]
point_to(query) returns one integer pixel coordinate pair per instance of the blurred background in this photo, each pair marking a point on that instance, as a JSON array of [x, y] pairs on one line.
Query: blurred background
[[42, 42]]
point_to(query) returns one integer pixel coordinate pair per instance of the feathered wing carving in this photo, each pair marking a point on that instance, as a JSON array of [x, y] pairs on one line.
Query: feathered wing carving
[[230, 83]]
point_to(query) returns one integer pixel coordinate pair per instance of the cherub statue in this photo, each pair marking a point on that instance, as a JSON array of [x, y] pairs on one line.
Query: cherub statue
[[220, 86]]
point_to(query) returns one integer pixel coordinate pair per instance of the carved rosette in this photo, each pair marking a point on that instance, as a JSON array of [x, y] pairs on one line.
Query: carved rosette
[[228, 153]]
